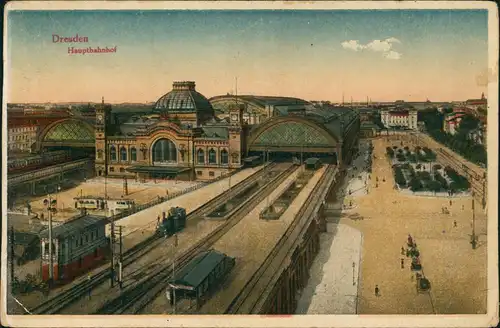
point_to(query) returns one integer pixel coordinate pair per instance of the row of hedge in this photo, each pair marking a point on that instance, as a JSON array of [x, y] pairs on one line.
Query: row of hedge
[[423, 180], [460, 181]]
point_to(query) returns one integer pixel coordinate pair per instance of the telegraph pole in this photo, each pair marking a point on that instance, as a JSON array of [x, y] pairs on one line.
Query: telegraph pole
[[473, 236], [51, 260], [484, 190]]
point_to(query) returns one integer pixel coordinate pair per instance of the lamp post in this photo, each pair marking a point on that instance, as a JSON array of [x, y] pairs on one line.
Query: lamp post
[[50, 204], [473, 235]]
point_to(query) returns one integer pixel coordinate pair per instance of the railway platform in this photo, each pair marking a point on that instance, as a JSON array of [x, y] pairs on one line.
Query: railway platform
[[250, 242]]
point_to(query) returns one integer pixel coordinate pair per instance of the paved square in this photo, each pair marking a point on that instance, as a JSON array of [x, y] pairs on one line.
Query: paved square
[[457, 272]]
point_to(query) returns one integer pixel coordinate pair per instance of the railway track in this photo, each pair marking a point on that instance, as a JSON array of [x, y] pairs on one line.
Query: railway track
[[251, 295], [133, 300], [475, 180], [71, 295]]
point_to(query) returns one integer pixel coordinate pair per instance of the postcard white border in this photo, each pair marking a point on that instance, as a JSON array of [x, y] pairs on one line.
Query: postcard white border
[[486, 320]]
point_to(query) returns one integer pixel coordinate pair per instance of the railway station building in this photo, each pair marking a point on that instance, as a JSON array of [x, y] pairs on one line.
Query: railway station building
[[186, 136]]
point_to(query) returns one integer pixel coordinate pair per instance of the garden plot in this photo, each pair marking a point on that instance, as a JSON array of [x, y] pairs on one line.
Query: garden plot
[[416, 172]]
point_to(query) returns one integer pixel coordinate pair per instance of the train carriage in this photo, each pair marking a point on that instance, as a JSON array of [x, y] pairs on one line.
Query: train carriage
[[252, 161]]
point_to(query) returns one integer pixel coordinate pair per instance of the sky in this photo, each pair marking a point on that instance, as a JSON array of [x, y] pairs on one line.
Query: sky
[[313, 55]]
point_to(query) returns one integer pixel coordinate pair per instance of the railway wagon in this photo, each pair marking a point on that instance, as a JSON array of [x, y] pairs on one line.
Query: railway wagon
[[78, 245], [174, 222], [252, 161], [200, 278], [313, 163], [37, 161]]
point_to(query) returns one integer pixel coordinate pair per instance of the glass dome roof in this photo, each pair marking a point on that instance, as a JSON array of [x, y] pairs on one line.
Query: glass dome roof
[[183, 98]]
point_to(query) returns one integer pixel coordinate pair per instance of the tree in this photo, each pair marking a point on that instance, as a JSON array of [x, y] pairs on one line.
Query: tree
[[419, 166], [439, 178], [434, 186], [425, 176], [415, 184], [399, 177]]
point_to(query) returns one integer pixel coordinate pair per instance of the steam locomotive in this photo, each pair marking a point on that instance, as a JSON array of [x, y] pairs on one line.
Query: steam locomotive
[[174, 222]]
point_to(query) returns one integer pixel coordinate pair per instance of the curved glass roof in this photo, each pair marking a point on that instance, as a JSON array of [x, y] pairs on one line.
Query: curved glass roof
[[292, 134], [70, 131], [183, 98]]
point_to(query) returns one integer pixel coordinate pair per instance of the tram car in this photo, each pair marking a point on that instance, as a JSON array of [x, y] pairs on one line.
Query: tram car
[[173, 222], [89, 202], [123, 204]]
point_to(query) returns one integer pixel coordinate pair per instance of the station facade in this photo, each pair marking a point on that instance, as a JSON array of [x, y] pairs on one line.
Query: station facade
[[180, 138], [184, 137]]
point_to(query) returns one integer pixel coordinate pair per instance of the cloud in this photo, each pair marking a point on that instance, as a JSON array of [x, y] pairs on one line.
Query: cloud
[[384, 46], [352, 45], [377, 45], [392, 55], [392, 40]]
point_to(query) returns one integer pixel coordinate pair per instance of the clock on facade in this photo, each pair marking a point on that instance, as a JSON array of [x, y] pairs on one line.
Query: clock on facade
[[99, 118], [234, 117]]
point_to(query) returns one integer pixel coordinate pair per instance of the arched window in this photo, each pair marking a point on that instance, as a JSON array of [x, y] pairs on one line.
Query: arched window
[[212, 156], [224, 157], [112, 153], [200, 156], [164, 150], [133, 154], [123, 154]]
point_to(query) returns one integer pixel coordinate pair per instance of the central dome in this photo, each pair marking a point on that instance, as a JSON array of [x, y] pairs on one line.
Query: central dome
[[183, 99]]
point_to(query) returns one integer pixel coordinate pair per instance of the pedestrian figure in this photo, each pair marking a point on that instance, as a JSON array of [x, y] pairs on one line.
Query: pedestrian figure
[[402, 251], [377, 291], [450, 202], [455, 223], [402, 263], [462, 207]]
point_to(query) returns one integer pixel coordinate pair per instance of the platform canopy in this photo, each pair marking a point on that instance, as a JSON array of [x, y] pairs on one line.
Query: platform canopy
[[158, 169], [196, 271]]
